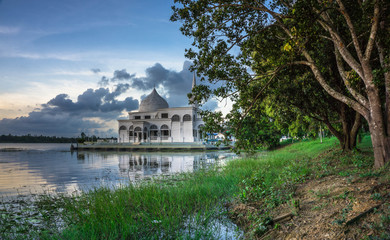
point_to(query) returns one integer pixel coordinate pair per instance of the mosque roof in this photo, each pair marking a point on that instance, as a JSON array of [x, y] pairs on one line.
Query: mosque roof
[[152, 102]]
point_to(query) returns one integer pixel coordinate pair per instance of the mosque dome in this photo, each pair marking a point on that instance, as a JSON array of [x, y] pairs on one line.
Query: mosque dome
[[152, 102]]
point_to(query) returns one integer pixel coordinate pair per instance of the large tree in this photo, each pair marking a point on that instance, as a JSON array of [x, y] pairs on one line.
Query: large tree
[[224, 34]]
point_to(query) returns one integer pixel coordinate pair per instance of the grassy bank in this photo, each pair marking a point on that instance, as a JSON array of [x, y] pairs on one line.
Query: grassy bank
[[188, 206], [315, 191]]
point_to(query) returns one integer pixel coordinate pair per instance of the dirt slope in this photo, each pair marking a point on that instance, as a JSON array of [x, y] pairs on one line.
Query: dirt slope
[[333, 207]]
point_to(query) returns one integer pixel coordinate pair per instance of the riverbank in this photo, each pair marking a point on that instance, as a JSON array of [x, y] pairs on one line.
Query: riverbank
[[150, 147], [317, 189], [320, 193]]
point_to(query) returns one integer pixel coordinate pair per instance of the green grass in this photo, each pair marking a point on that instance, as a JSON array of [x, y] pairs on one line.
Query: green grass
[[148, 211], [187, 206]]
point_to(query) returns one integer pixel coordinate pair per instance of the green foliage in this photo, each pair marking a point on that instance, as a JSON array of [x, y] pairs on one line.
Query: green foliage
[[35, 139], [344, 214], [254, 132], [46, 139], [255, 49]]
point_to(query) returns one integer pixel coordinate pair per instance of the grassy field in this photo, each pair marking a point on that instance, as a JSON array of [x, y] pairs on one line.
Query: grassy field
[[188, 206]]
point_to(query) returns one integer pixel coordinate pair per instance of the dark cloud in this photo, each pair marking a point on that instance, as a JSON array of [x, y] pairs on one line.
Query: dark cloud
[[92, 103], [118, 76], [63, 117], [176, 85], [122, 75], [119, 89], [104, 81], [95, 70]]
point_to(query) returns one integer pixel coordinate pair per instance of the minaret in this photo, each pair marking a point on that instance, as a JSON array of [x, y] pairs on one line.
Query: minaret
[[195, 104], [193, 81]]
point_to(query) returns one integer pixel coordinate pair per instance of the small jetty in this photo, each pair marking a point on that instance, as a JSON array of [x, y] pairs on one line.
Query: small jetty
[[157, 147]]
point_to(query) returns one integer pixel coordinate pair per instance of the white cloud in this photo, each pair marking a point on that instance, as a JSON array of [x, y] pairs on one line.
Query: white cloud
[[225, 106]]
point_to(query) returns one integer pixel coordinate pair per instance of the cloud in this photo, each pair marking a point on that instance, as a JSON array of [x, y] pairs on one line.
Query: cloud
[[95, 70], [121, 75], [92, 103], [63, 117], [175, 85], [94, 109], [104, 82], [210, 105]]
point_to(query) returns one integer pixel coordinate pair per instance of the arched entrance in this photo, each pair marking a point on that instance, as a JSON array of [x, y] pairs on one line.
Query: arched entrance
[[145, 134], [153, 132], [138, 134], [131, 133], [122, 133]]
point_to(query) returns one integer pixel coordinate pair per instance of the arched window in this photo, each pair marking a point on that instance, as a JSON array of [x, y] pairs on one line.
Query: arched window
[[175, 118], [122, 128], [153, 132], [165, 131], [187, 117], [137, 129], [131, 133]]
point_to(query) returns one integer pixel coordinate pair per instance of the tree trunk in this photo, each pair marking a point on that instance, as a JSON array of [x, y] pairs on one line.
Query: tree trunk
[[385, 65], [380, 145], [348, 136], [355, 129], [376, 123]]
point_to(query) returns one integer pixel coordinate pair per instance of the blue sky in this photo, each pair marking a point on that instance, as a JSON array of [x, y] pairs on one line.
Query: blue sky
[[71, 66]]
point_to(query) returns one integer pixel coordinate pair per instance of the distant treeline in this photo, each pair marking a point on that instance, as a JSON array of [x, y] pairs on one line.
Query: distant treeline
[[35, 139]]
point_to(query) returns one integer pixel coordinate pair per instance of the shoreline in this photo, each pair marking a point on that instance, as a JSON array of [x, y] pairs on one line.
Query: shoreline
[[272, 197], [147, 147]]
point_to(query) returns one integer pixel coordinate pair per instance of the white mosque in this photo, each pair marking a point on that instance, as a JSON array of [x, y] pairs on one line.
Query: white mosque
[[156, 122]]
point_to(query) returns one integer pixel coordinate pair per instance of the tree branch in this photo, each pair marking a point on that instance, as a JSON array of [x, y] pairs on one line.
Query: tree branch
[[352, 31], [373, 32], [360, 98], [317, 73], [258, 95]]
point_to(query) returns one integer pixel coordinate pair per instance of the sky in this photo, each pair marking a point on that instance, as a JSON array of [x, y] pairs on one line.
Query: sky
[[74, 66]]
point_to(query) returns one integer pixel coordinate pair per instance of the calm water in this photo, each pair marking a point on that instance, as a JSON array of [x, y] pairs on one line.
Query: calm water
[[36, 168]]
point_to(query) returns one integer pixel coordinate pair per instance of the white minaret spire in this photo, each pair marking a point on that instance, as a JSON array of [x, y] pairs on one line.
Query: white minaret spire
[[195, 104], [193, 82]]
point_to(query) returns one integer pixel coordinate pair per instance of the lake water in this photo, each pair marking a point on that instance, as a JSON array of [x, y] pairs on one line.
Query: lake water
[[36, 168]]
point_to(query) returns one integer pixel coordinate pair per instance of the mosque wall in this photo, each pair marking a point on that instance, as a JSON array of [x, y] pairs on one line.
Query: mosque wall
[[176, 131]]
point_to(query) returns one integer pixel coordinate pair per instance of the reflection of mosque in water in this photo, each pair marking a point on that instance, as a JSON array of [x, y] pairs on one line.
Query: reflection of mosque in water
[[139, 165]]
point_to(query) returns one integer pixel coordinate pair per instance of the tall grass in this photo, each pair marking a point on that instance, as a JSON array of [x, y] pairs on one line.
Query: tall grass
[[149, 210], [186, 206]]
